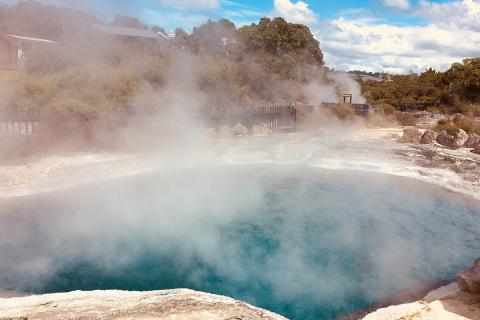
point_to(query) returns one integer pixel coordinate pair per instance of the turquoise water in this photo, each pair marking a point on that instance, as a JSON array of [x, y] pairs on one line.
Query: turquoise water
[[305, 243]]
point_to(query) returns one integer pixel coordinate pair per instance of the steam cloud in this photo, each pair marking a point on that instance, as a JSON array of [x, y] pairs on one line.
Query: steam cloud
[[186, 215], [285, 234]]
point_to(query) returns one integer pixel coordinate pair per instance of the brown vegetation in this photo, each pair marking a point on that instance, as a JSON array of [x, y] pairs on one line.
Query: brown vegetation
[[452, 127], [456, 90]]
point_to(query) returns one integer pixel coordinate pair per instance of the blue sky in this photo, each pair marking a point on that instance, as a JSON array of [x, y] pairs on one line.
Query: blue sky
[[242, 12], [396, 36]]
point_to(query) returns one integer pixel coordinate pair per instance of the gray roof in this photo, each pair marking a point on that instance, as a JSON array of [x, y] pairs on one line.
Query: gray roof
[[32, 40], [127, 32]]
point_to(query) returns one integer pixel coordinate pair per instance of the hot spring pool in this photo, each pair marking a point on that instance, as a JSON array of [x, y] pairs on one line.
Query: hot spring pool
[[302, 242]]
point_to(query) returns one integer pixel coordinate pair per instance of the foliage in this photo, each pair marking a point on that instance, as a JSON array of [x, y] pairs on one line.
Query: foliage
[[467, 124], [89, 76], [454, 90], [386, 108], [343, 111], [32, 18], [405, 118], [281, 47], [452, 127]]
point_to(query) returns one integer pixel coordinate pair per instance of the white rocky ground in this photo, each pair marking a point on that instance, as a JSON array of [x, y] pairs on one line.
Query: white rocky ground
[[374, 150], [102, 305], [445, 303]]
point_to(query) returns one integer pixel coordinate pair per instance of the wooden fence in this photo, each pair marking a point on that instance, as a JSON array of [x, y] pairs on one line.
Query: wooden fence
[[360, 109], [277, 118], [412, 106], [19, 123]]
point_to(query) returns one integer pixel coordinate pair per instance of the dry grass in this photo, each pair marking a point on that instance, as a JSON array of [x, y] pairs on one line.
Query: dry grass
[[452, 127], [405, 118], [343, 111], [10, 76]]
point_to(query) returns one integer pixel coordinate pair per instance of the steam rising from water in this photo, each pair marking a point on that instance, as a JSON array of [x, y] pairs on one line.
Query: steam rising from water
[[299, 242], [308, 244]]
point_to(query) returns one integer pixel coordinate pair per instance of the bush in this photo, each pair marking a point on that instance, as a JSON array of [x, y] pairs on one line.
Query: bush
[[405, 118], [386, 108], [467, 124], [448, 126], [459, 122], [343, 111], [468, 109], [434, 110]]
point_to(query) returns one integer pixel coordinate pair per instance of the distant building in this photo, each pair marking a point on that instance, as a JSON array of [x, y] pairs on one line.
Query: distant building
[[379, 78], [124, 32], [8, 53], [228, 41], [14, 50]]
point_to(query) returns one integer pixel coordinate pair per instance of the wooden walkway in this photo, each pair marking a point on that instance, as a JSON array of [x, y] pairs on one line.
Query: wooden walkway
[[412, 106], [277, 118], [360, 109]]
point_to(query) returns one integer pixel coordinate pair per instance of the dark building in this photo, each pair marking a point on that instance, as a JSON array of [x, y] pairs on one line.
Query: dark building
[[8, 53], [14, 49]]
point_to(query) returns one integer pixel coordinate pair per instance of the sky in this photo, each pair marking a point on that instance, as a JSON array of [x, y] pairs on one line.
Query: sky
[[396, 36]]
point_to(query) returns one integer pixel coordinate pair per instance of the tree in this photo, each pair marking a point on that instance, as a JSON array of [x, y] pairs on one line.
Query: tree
[[32, 18], [183, 41], [128, 22], [282, 47], [464, 79], [212, 37]]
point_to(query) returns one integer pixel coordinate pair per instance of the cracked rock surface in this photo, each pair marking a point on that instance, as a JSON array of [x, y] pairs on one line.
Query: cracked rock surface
[[112, 304]]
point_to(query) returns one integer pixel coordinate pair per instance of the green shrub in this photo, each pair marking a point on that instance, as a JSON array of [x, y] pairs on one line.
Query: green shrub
[[386, 108], [405, 118], [434, 110], [452, 127], [343, 111], [467, 124], [448, 126]]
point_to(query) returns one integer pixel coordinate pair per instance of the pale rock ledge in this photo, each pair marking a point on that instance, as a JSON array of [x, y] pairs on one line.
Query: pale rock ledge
[[445, 303], [112, 304]]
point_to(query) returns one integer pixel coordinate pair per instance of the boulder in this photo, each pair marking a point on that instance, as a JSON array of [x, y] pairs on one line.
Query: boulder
[[469, 280], [429, 137], [460, 138], [239, 130], [225, 131], [445, 139], [211, 132], [261, 129], [473, 141], [411, 135], [477, 150]]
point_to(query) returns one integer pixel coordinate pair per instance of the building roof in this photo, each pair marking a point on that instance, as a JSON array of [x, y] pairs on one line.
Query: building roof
[[32, 40], [127, 32]]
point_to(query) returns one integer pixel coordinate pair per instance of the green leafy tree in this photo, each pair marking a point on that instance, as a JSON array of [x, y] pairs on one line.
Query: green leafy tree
[[282, 47]]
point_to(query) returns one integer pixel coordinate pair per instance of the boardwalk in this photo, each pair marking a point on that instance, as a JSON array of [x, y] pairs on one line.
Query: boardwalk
[[360, 109], [412, 106], [277, 118]]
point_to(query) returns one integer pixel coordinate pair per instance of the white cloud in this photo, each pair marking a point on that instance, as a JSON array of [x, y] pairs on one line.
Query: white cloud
[[372, 46], [298, 12], [192, 4], [399, 4], [464, 13], [451, 33]]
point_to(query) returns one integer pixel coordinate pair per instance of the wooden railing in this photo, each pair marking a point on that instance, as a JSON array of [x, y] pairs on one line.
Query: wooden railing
[[412, 106], [23, 123], [277, 118], [360, 109]]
